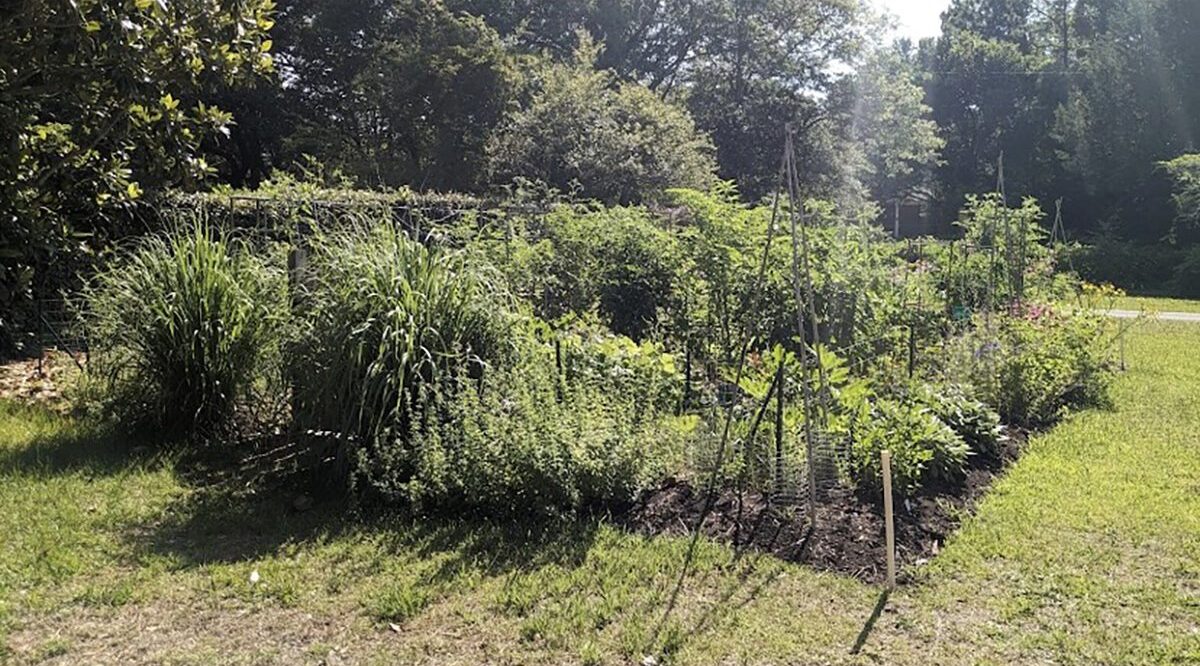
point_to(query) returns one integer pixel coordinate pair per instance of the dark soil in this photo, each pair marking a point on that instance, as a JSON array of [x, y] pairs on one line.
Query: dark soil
[[849, 534]]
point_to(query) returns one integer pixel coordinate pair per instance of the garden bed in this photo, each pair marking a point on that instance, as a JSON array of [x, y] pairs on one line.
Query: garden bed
[[27, 380], [849, 537]]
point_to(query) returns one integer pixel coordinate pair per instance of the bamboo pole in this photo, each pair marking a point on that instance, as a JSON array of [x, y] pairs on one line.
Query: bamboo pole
[[798, 290], [779, 402]]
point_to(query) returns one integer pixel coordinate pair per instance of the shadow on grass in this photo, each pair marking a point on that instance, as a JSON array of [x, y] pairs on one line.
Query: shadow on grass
[[750, 559], [231, 521], [66, 446], [231, 517], [216, 526], [870, 623]]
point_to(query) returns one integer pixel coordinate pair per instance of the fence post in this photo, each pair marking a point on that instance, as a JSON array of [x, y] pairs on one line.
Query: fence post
[[888, 519], [297, 258]]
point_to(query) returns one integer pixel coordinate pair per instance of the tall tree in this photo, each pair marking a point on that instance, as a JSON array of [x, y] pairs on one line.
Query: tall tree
[[892, 143], [987, 99], [614, 141], [100, 102], [1130, 105], [395, 92], [746, 67]]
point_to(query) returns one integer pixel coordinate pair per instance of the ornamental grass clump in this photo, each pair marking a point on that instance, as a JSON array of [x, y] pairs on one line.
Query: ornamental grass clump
[[182, 326], [379, 317]]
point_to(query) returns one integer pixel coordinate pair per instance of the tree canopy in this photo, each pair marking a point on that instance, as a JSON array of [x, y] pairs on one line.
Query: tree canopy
[[617, 142], [106, 102], [102, 102]]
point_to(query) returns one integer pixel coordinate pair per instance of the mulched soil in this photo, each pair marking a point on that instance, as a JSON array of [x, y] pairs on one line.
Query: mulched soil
[[27, 380], [849, 536]]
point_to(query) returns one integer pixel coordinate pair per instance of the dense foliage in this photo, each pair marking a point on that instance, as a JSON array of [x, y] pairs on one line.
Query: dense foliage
[[527, 440], [394, 93], [536, 362], [1083, 97], [1090, 102], [584, 130], [1036, 364], [612, 278], [184, 327], [382, 316], [102, 103], [442, 393]]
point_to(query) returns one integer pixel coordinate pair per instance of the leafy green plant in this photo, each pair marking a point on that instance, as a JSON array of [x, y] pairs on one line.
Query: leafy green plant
[[616, 141], [1184, 172], [1144, 268], [923, 449], [1005, 258], [1187, 274], [641, 372], [976, 423], [522, 442], [82, 150], [182, 325], [619, 262], [1036, 364]]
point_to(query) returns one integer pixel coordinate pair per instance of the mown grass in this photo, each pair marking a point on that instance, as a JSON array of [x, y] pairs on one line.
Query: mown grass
[[1153, 304], [1086, 552]]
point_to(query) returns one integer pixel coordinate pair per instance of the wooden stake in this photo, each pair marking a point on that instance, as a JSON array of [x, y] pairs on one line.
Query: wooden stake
[[1123, 366], [889, 525]]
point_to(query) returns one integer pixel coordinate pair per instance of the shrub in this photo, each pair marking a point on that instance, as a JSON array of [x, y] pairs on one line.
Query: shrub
[[617, 261], [380, 316], [1187, 275], [923, 448], [1184, 172], [523, 442], [616, 142], [641, 372], [1132, 266], [1036, 365], [181, 326]]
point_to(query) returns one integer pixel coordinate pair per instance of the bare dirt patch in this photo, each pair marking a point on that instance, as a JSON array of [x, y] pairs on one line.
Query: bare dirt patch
[[849, 534], [39, 381]]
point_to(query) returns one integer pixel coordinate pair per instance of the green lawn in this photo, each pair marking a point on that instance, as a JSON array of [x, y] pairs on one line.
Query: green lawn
[[1087, 552], [1149, 304]]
